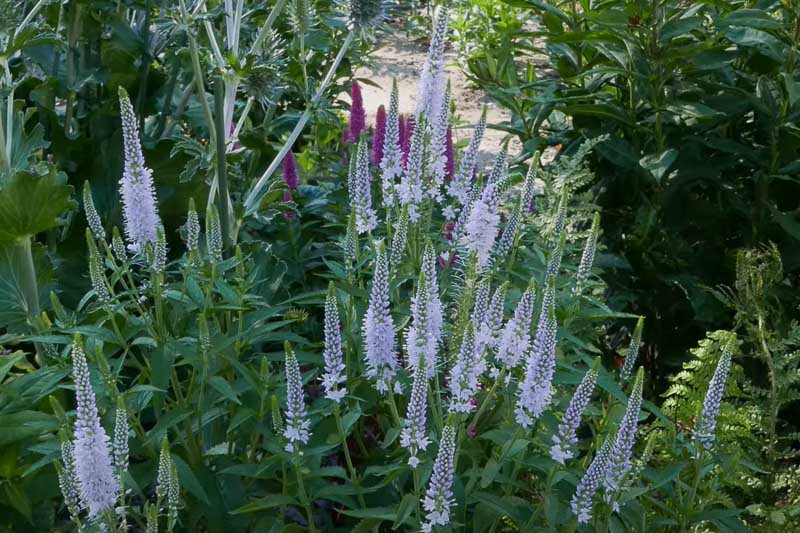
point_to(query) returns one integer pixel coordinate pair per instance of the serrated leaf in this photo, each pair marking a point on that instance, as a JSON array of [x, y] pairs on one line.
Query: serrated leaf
[[30, 204]]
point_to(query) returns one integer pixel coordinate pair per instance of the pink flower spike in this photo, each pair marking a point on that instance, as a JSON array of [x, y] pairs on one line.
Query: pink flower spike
[[378, 138], [357, 115], [408, 132], [290, 177]]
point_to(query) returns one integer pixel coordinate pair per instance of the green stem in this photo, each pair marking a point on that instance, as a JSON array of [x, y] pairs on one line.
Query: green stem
[[302, 490], [253, 197], [346, 450]]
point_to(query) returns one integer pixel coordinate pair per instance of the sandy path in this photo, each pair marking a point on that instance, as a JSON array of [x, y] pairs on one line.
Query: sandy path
[[398, 57]]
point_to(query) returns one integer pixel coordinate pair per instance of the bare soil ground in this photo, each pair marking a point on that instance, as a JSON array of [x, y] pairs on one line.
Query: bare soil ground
[[401, 58]]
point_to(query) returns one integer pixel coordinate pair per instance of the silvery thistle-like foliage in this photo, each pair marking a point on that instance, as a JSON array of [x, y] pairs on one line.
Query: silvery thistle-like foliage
[[67, 480], [437, 152], [435, 307], [399, 239], [516, 336], [361, 194], [460, 186], [297, 425], [439, 497], [706, 425], [392, 162], [92, 218], [482, 226], [432, 78], [378, 329], [584, 494], [413, 435], [587, 257], [364, 15], [619, 456], [213, 235], [420, 343], [465, 373], [120, 443], [536, 390], [97, 484], [565, 439], [332, 350], [409, 191], [136, 186], [633, 351]]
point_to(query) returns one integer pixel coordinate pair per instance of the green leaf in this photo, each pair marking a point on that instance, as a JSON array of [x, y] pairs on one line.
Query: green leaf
[[223, 387], [266, 503], [30, 204], [188, 480], [18, 500], [383, 513], [658, 164], [404, 510], [25, 424], [8, 363]]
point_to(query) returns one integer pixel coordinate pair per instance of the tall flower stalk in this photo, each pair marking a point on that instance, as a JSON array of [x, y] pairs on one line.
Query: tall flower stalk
[[136, 186], [438, 500], [296, 430], [378, 329], [565, 439], [392, 150], [633, 351], [706, 424], [335, 373], [619, 456]]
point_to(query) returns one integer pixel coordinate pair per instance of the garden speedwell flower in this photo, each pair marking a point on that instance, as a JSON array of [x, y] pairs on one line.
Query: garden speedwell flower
[[97, 484], [437, 150], [297, 426], [332, 351], [465, 373], [516, 336], [431, 92], [633, 351], [619, 456], [136, 186], [421, 345], [392, 150], [565, 439], [357, 115], [706, 425], [587, 257], [439, 497], [92, 218], [360, 192], [536, 390], [461, 185], [584, 494], [378, 329], [482, 226], [409, 191], [413, 435]]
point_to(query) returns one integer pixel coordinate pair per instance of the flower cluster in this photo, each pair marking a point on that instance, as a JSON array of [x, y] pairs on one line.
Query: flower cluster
[[414, 436], [565, 439], [334, 373], [378, 329], [581, 502], [706, 425], [619, 456], [465, 374], [297, 425], [515, 338], [438, 499]]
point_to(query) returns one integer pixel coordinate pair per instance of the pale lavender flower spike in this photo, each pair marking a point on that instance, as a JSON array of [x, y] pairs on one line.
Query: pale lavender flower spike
[[437, 151], [136, 186], [516, 336], [361, 193], [432, 79], [565, 439], [332, 351], [421, 345], [297, 424], [97, 484], [482, 226], [460, 186], [410, 189], [536, 390], [706, 425], [465, 373], [438, 499], [414, 433], [619, 458], [392, 162], [584, 494], [378, 329], [435, 307]]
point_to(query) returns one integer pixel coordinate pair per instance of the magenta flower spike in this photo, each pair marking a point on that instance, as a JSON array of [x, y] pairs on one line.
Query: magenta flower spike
[[290, 177], [402, 129], [357, 116], [378, 138]]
